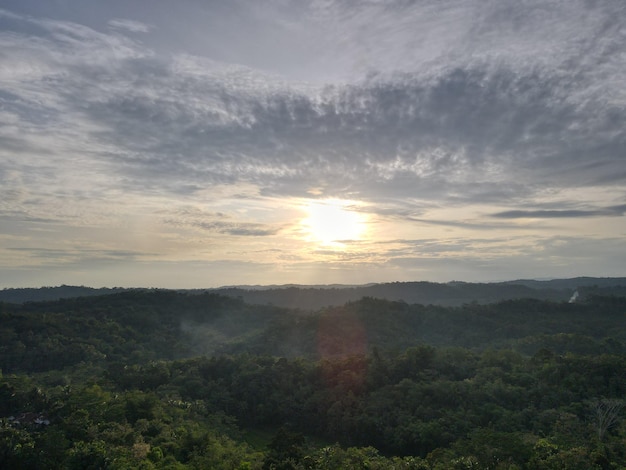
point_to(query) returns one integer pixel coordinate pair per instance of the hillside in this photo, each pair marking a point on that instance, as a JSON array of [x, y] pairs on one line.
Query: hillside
[[316, 297], [162, 379], [156, 325]]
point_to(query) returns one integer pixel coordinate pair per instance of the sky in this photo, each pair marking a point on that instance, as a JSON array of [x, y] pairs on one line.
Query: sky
[[205, 143]]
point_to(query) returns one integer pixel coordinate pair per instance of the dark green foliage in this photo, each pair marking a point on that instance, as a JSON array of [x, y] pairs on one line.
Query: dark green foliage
[[136, 327], [133, 326], [452, 408], [521, 384], [286, 450]]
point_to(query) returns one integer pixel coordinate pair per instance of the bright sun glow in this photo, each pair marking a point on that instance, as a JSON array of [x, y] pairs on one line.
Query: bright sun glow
[[332, 222]]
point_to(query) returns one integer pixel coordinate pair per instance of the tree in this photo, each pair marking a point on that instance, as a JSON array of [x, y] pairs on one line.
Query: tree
[[286, 450], [605, 415]]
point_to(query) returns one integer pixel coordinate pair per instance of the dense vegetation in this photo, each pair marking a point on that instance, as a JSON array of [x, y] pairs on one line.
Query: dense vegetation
[[159, 379]]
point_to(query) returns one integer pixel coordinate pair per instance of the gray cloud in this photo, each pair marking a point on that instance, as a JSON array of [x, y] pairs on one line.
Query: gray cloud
[[199, 122], [469, 125], [238, 229], [128, 25], [491, 260], [21, 216], [76, 255], [613, 211], [468, 224], [218, 222], [409, 107]]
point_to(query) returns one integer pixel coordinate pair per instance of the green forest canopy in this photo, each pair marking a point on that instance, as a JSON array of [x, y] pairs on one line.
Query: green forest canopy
[[161, 379]]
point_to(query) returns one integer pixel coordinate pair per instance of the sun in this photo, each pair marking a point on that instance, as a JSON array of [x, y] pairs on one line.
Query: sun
[[333, 222]]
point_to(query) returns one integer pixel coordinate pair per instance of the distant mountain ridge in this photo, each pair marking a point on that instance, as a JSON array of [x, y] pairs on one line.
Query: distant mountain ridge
[[304, 297], [43, 294], [426, 293]]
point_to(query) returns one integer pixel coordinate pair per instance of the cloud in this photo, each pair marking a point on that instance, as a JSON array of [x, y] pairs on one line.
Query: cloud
[[68, 256], [237, 229], [21, 216], [131, 26], [467, 224], [218, 222], [440, 117], [614, 211], [468, 127], [442, 132], [531, 257]]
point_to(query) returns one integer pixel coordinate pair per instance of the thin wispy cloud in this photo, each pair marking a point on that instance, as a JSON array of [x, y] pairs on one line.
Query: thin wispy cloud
[[615, 211], [219, 222], [128, 25]]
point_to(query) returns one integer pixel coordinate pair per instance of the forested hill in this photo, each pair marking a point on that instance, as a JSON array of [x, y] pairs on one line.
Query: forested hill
[[161, 380], [450, 294], [426, 293], [28, 294], [316, 297], [155, 325]]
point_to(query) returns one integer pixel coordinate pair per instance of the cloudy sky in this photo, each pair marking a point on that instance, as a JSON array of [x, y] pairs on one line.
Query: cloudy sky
[[201, 143]]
